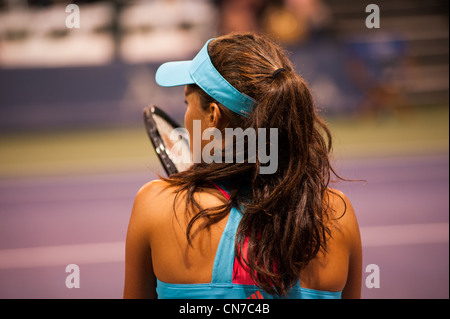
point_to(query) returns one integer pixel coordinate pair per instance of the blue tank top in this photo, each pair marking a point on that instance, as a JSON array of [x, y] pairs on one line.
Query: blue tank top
[[226, 281]]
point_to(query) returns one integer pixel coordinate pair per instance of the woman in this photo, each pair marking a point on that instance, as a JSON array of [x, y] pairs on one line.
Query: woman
[[224, 230]]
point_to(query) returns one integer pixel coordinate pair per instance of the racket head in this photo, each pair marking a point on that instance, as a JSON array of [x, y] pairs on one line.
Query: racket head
[[174, 155]]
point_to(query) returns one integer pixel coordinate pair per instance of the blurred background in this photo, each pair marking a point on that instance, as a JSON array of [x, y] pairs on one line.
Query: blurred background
[[74, 151]]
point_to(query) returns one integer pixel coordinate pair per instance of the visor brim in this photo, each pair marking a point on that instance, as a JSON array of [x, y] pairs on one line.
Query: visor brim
[[174, 74]]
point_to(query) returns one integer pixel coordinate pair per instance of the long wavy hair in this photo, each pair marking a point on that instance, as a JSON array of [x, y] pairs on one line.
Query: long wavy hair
[[286, 214]]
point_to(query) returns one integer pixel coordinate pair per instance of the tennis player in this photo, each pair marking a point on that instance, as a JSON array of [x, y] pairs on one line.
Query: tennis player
[[223, 230]]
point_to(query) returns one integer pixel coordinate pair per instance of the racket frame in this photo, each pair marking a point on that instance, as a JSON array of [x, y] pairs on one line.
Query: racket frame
[[156, 139]]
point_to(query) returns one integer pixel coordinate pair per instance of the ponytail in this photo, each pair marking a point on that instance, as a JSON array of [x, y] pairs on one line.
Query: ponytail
[[284, 222]]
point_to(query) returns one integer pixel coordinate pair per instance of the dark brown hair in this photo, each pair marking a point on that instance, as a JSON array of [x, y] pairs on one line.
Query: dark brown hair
[[286, 214]]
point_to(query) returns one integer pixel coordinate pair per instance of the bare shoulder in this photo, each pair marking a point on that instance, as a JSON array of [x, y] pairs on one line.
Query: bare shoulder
[[152, 198], [151, 202], [336, 268], [346, 235], [145, 215], [154, 189], [343, 216], [339, 204], [158, 202]]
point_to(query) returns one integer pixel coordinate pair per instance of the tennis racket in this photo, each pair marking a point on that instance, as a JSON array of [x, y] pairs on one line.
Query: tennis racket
[[169, 140]]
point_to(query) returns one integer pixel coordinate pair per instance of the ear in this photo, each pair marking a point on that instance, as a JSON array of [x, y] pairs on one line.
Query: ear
[[214, 117]]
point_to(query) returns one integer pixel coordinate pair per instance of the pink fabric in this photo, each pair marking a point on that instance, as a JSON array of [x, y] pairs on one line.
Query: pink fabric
[[227, 196], [240, 274]]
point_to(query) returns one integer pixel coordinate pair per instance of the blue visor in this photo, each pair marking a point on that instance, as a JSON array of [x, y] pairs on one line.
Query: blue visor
[[202, 72]]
